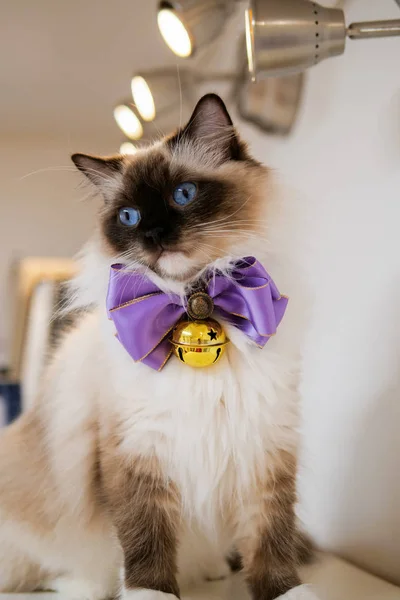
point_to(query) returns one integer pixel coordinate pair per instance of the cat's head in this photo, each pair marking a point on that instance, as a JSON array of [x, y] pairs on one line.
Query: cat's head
[[183, 202]]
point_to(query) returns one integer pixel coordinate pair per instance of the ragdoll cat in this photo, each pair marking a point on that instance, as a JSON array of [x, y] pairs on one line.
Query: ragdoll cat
[[127, 480]]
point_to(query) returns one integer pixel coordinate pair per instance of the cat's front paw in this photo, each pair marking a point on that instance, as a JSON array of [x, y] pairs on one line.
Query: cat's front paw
[[302, 592], [278, 587], [143, 594]]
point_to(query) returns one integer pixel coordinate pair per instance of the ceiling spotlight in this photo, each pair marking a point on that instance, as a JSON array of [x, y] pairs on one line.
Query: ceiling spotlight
[[289, 36], [187, 25], [143, 98], [271, 104], [160, 95], [174, 33], [127, 148], [128, 121]]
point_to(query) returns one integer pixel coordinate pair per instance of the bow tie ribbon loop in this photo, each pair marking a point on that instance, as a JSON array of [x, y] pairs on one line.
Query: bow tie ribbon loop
[[144, 315]]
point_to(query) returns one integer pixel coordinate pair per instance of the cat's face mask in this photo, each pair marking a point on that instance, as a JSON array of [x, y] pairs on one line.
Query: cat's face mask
[[183, 202]]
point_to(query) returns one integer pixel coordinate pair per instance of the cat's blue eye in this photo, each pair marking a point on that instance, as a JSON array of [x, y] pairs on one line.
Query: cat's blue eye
[[184, 193], [129, 216]]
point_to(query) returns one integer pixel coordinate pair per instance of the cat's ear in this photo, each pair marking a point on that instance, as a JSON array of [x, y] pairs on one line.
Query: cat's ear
[[105, 173], [210, 118], [211, 125]]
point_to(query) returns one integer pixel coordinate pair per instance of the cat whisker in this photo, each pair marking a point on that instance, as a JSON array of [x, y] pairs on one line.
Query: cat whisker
[[231, 223], [223, 222], [65, 168], [232, 214], [249, 222], [207, 254], [90, 194], [99, 174], [233, 227], [231, 232], [49, 169], [180, 95], [224, 253]]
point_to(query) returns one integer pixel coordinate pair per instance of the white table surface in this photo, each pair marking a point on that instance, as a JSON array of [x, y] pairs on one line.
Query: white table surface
[[332, 579]]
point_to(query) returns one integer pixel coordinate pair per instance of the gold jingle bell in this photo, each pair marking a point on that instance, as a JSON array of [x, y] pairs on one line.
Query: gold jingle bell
[[200, 342]]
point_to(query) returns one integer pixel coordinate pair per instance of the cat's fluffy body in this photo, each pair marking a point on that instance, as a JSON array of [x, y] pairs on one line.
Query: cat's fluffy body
[[218, 434]]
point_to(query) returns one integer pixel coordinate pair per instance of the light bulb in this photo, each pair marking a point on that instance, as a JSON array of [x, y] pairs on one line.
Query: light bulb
[[143, 98], [128, 122], [248, 17], [127, 148], [174, 33]]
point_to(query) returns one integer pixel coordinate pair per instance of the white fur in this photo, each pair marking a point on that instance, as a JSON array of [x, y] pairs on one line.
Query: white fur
[[211, 429], [174, 263], [76, 589], [301, 592]]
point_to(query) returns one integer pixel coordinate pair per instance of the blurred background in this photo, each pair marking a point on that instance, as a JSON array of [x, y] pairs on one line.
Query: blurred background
[[64, 68]]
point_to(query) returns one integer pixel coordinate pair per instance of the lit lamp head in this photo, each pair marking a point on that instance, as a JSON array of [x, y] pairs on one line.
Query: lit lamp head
[[187, 25], [143, 98], [289, 36], [271, 104], [161, 96], [128, 121]]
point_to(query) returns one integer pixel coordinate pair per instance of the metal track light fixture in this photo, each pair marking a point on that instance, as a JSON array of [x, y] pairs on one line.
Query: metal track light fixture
[[288, 36], [283, 36]]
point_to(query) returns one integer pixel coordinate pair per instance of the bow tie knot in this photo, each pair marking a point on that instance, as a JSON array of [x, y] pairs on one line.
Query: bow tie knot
[[144, 315]]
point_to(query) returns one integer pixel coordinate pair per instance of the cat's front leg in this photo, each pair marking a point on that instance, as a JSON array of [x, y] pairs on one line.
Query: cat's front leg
[[145, 511], [268, 540]]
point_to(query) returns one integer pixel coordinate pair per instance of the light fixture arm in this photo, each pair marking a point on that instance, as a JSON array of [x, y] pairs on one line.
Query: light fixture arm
[[374, 29]]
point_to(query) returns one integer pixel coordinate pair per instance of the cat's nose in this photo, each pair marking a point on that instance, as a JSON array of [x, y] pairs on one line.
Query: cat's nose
[[155, 234]]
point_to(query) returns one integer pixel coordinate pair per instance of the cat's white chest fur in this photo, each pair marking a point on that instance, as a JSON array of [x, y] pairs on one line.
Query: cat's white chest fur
[[212, 428]]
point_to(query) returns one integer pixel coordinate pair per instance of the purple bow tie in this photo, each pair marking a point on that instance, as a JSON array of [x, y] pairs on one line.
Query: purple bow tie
[[144, 315]]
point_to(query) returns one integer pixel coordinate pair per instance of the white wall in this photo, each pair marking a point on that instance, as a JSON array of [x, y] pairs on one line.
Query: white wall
[[345, 158], [40, 214]]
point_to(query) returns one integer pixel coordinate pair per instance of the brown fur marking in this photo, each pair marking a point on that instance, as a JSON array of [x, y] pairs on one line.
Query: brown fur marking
[[270, 552], [24, 474], [305, 548], [145, 512]]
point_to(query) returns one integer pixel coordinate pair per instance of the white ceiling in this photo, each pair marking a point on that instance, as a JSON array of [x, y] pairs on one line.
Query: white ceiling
[[65, 63]]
